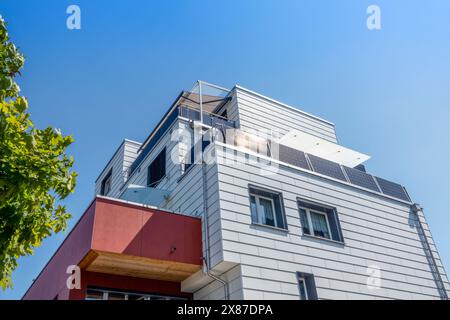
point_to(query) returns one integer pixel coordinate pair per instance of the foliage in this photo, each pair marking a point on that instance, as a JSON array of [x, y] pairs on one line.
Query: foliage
[[35, 172]]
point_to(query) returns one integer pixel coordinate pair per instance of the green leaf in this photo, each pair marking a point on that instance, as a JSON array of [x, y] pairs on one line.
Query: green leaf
[[35, 172]]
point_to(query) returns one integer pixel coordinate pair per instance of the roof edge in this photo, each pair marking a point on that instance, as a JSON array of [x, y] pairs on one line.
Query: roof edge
[[283, 105]]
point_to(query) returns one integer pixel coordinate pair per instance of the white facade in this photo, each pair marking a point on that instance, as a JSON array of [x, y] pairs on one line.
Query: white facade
[[380, 234]]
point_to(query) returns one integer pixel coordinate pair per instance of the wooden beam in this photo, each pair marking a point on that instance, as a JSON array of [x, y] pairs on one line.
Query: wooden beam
[[140, 267]]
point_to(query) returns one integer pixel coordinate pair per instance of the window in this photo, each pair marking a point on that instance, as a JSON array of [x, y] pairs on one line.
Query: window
[[302, 288], [266, 208], [319, 221], [157, 169], [106, 184], [224, 114], [102, 294], [306, 286]]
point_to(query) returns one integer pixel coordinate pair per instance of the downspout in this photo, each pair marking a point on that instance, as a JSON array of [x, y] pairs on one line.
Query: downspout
[[206, 258], [417, 209]]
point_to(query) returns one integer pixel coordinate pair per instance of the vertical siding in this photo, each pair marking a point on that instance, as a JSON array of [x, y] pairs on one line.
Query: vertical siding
[[187, 198], [130, 154], [259, 113], [119, 163], [377, 231]]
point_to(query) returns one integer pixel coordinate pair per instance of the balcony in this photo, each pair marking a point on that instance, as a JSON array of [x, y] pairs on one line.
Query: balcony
[[114, 238], [199, 104]]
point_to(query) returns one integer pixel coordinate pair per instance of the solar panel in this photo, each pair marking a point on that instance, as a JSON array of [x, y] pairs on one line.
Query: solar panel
[[292, 156], [362, 179], [326, 167], [392, 189]]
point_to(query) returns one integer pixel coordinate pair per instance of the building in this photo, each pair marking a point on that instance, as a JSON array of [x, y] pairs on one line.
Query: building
[[237, 196]]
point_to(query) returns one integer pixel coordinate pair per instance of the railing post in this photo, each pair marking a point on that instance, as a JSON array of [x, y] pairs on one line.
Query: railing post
[[200, 100]]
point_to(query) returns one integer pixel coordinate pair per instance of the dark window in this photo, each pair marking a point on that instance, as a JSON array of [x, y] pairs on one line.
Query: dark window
[[106, 184], [266, 208], [189, 159], [319, 221], [306, 286], [107, 294], [157, 169], [302, 289], [224, 114]]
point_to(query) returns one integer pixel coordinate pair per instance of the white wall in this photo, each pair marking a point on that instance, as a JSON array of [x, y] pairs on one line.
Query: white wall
[[377, 231], [256, 112]]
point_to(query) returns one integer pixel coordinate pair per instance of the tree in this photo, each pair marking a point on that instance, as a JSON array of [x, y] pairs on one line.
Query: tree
[[35, 172]]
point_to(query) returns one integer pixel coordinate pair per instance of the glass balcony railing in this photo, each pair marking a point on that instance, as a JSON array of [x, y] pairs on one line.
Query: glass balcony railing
[[202, 103]]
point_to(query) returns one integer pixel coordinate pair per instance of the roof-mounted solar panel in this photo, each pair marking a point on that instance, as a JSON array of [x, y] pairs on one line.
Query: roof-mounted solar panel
[[362, 179], [294, 157], [393, 189], [326, 167]]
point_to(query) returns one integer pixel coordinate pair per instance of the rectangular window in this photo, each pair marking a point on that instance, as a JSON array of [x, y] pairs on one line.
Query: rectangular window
[[306, 286], [266, 208], [302, 289], [319, 221], [105, 294], [106, 184], [320, 226], [157, 169]]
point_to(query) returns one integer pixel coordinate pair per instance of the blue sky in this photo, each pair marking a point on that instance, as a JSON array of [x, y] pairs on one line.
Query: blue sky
[[387, 91]]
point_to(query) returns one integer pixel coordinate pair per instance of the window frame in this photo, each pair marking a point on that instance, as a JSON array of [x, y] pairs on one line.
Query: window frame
[[302, 284], [330, 212], [259, 215], [108, 177], [106, 292], [310, 224], [307, 281], [278, 201], [154, 184]]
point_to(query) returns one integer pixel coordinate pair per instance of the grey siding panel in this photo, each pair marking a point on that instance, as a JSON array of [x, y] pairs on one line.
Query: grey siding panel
[[173, 170], [187, 197], [257, 113], [116, 165], [376, 230], [119, 163]]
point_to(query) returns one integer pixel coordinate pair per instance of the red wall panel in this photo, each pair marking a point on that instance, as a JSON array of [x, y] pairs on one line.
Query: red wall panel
[[52, 279], [119, 227], [145, 232]]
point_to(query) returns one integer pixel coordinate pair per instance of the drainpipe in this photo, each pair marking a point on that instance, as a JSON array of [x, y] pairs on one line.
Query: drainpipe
[[418, 210], [206, 258]]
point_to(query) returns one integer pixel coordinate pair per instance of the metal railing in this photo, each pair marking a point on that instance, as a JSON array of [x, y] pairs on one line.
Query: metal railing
[[189, 113]]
